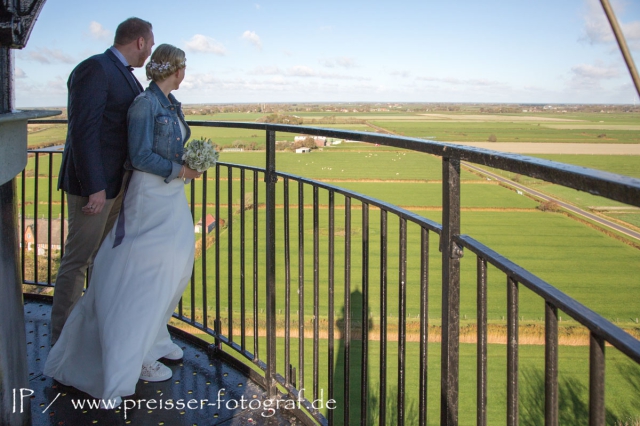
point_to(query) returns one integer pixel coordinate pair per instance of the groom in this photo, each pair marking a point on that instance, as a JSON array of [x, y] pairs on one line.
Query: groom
[[101, 89]]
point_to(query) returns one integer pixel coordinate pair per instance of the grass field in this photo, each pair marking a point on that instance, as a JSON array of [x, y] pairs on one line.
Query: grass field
[[223, 116], [510, 132], [587, 265], [578, 128], [628, 165], [48, 135], [622, 379]]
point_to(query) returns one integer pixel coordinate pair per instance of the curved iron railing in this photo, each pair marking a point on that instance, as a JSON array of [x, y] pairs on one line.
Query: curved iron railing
[[251, 289]]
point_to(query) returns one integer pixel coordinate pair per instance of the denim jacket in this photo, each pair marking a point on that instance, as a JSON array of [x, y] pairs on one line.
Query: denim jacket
[[155, 139]]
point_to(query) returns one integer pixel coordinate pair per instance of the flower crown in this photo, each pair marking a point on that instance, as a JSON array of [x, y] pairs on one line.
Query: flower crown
[[163, 66]]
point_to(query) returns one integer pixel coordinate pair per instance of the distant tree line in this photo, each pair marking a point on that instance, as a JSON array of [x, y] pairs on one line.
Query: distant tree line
[[286, 111], [281, 119]]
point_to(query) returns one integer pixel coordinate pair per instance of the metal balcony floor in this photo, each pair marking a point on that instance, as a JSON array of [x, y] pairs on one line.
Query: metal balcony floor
[[199, 376]]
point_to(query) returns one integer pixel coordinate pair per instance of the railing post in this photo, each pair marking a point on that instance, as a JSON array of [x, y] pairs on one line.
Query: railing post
[[512, 352], [481, 358], [597, 410], [451, 254], [551, 366], [271, 179]]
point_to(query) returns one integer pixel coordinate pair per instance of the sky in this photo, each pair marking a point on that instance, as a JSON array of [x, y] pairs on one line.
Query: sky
[[492, 51]]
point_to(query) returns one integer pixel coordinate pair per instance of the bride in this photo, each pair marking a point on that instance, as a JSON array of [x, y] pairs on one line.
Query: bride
[[118, 330]]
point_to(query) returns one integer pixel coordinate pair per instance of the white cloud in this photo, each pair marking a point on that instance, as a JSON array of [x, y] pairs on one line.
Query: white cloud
[[204, 44], [252, 38], [301, 71], [19, 73], [332, 76], [595, 72], [596, 26], [632, 34], [266, 71], [45, 93], [597, 29], [402, 73], [585, 77], [97, 31], [213, 88], [45, 55], [341, 61], [459, 82]]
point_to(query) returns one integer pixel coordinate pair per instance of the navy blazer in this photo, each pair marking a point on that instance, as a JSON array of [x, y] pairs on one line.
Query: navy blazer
[[101, 89]]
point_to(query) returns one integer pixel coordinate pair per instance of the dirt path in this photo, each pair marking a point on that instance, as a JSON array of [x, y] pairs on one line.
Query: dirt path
[[558, 148]]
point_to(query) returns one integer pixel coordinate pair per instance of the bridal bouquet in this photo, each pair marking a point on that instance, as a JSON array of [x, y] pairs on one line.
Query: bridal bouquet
[[199, 154]]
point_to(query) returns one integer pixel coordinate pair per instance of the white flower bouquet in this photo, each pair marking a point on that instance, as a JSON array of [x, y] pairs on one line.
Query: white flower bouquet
[[199, 154]]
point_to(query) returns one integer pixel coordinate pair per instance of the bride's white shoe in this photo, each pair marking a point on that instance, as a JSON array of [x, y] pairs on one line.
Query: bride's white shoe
[[155, 372], [175, 355]]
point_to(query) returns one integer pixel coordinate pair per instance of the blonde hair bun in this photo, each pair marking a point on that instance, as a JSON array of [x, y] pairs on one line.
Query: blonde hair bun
[[165, 60]]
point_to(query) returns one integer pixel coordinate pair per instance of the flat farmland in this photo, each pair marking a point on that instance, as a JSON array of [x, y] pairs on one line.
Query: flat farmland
[[573, 378], [505, 131], [46, 135], [192, 114], [224, 136], [628, 165], [340, 165], [591, 267]]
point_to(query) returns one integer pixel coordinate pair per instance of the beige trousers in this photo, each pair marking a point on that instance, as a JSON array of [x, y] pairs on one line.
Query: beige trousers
[[86, 233]]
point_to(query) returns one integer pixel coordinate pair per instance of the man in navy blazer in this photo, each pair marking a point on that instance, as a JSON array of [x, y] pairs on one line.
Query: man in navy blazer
[[101, 89]]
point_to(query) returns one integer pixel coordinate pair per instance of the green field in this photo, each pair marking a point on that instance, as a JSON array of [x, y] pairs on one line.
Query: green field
[[223, 116], [574, 128], [55, 134], [622, 380], [586, 264], [473, 131], [558, 249], [628, 165]]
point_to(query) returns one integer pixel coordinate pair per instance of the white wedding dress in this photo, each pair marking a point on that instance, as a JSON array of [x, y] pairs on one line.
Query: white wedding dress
[[121, 321]]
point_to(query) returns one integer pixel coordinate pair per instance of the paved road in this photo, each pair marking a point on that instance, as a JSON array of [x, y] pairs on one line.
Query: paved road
[[573, 209]]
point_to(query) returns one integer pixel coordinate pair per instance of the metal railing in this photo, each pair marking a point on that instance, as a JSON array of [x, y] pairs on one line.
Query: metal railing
[[263, 231]]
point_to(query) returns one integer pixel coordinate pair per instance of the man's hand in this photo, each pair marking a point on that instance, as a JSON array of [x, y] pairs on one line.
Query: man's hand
[[95, 204]]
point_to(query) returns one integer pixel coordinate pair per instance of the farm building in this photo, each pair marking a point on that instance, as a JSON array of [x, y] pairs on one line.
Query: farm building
[[209, 226], [318, 140], [42, 233], [303, 150]]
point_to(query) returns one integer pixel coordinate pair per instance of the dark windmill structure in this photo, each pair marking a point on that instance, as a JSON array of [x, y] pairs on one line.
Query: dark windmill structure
[[17, 18]]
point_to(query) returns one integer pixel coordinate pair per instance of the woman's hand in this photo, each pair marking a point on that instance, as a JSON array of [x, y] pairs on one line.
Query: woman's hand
[[188, 173]]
